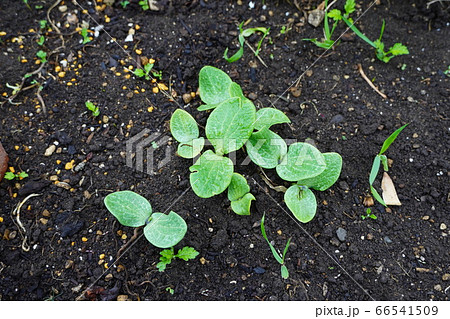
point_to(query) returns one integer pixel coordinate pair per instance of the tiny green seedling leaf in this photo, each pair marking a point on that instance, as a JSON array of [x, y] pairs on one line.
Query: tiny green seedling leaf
[[301, 161], [93, 108], [168, 255], [230, 125], [214, 85], [266, 148], [42, 56], [375, 168], [242, 205], [391, 139], [129, 208], [187, 253], [211, 174], [10, 176], [183, 126], [301, 202], [267, 116], [164, 231], [329, 176], [238, 187]]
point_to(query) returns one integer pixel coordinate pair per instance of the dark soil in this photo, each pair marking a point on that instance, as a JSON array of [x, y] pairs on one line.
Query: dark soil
[[402, 255]]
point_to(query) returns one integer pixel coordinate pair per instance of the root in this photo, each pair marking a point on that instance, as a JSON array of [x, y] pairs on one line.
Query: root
[[22, 230]]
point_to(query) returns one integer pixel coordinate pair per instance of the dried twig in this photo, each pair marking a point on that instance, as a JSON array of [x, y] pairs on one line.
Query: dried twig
[[22, 230], [361, 71], [254, 52]]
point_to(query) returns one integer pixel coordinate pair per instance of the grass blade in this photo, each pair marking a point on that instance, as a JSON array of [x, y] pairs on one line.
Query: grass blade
[[391, 139]]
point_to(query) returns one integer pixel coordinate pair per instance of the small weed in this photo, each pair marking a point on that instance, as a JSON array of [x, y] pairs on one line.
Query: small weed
[[368, 214], [167, 255], [93, 108], [276, 255], [41, 40], [242, 35], [144, 5], [42, 56], [43, 24], [124, 3], [84, 34], [379, 159], [147, 70], [285, 29], [447, 72], [170, 290], [12, 175]]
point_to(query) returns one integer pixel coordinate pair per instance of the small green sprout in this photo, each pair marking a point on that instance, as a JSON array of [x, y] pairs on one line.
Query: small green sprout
[[85, 35], [124, 3], [279, 257], [379, 159], [93, 108], [146, 71], [144, 5], [285, 29], [447, 72], [170, 290], [382, 55], [41, 40], [337, 16], [133, 210], [11, 175], [242, 35], [26, 3], [168, 255], [43, 24], [368, 214], [42, 56]]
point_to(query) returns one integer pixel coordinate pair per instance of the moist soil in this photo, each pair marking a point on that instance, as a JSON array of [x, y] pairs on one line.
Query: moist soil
[[67, 245]]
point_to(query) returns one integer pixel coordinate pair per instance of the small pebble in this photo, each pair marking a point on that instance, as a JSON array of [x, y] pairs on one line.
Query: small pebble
[[443, 226], [387, 240], [341, 234], [50, 150], [438, 288], [187, 98], [446, 277]]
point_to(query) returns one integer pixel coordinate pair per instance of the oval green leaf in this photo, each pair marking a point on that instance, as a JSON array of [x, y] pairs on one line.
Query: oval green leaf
[[238, 187], [230, 125], [266, 148], [329, 176], [214, 85], [268, 116], [183, 126], [165, 231], [301, 202], [191, 149], [242, 206], [129, 208], [211, 174], [301, 161]]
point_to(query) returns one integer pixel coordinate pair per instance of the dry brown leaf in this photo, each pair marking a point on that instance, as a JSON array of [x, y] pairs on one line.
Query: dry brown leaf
[[389, 194]]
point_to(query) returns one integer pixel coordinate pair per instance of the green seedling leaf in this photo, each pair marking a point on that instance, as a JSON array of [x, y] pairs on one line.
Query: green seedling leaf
[[275, 254], [164, 231], [214, 85], [301, 202], [183, 126], [398, 49], [302, 161], [266, 117], [230, 125], [187, 253], [234, 90], [391, 139], [238, 187], [375, 169], [211, 174], [329, 176], [284, 272], [10, 176], [384, 161], [377, 196], [266, 148], [139, 72], [349, 7], [93, 108], [191, 149], [335, 14], [242, 205], [129, 208]]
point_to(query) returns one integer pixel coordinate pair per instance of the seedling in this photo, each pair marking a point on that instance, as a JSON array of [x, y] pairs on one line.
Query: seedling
[[26, 3], [234, 123], [84, 34], [144, 5], [167, 255], [133, 210], [93, 108], [11, 175], [337, 16], [170, 290], [385, 56], [42, 24], [42, 56], [279, 257], [447, 72], [145, 72], [242, 35], [285, 29], [368, 214], [380, 158], [124, 3]]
